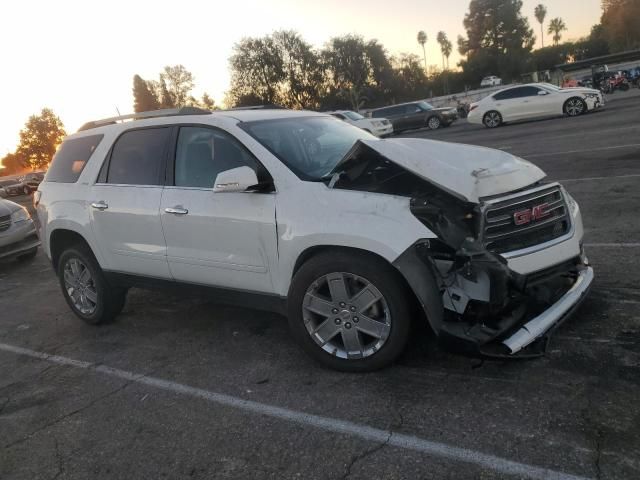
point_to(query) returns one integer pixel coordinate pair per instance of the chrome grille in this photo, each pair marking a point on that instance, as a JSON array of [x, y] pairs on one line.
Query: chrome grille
[[5, 223], [502, 233]]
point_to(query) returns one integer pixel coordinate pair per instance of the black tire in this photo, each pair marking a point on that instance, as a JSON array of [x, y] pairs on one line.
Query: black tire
[[434, 123], [30, 255], [383, 277], [492, 119], [110, 299], [575, 107]]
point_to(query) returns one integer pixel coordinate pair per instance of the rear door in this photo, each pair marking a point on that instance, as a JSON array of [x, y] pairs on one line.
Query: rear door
[[220, 239], [509, 104], [125, 204]]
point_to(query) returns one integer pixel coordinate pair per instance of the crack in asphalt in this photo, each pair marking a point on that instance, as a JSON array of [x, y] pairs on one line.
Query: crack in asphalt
[[370, 451], [598, 453], [361, 456]]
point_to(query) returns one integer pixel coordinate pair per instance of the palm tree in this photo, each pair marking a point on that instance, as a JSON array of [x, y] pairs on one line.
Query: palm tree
[[447, 48], [422, 39], [442, 39], [556, 26], [541, 14]]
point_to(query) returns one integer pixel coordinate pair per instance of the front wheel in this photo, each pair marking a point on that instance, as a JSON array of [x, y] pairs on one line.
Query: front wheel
[[574, 107], [350, 312], [492, 119], [86, 289]]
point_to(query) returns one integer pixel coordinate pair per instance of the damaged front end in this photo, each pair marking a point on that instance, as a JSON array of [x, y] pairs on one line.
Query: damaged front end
[[473, 300]]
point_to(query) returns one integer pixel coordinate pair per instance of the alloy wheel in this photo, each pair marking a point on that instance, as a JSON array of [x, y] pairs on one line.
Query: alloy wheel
[[575, 107], [492, 119], [346, 315], [80, 286], [434, 123]]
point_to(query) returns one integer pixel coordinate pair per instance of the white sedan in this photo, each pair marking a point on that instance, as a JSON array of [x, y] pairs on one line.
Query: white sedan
[[380, 127], [533, 100]]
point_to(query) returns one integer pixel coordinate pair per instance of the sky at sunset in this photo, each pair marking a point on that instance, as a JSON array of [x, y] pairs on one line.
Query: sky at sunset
[[79, 57]]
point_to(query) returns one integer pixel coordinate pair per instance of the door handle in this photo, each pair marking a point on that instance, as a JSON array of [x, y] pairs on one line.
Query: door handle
[[177, 210], [100, 205]]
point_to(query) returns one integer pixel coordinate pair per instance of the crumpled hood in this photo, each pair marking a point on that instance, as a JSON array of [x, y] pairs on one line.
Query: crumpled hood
[[466, 171]]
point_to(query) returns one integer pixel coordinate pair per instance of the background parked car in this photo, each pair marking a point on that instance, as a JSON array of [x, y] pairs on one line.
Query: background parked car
[[534, 100], [491, 81], [32, 179], [18, 237], [412, 115], [380, 127], [15, 187]]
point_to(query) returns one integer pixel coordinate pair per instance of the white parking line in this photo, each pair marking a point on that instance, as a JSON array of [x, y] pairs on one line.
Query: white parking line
[[612, 245], [614, 147], [344, 427], [586, 179]]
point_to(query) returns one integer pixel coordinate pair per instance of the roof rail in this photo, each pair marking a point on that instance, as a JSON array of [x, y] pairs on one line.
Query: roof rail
[[260, 107], [168, 112]]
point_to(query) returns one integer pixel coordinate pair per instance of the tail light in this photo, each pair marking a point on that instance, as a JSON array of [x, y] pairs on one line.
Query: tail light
[[36, 198]]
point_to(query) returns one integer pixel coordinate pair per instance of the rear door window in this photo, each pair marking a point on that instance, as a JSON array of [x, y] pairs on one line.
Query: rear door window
[[71, 158], [138, 157]]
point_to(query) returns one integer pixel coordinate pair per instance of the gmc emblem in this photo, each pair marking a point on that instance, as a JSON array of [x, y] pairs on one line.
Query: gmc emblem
[[531, 215]]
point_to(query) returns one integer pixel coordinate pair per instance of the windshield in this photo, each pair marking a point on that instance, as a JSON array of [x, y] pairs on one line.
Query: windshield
[[310, 146], [425, 106], [353, 115]]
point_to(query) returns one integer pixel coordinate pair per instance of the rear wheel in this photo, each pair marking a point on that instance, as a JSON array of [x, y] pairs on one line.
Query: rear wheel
[[575, 106], [350, 312], [492, 119], [434, 123], [86, 289]]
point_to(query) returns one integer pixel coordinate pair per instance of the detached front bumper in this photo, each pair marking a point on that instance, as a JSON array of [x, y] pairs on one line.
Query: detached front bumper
[[554, 315]]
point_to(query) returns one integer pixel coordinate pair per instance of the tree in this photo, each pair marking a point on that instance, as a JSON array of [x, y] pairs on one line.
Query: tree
[[621, 23], [208, 102], [348, 66], [541, 14], [499, 39], [447, 49], [256, 71], [556, 26], [302, 74], [422, 39], [144, 98], [176, 84], [11, 164], [442, 40], [40, 138]]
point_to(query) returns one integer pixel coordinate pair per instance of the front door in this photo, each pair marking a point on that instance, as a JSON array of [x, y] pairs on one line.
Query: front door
[[125, 204], [217, 239]]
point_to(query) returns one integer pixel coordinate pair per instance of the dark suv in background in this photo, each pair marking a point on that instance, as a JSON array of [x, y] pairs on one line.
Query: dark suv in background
[[412, 115]]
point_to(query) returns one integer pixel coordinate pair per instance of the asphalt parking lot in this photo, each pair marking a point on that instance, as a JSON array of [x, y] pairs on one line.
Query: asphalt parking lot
[[185, 388]]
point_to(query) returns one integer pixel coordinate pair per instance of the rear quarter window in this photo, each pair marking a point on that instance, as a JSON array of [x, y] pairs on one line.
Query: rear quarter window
[[71, 158]]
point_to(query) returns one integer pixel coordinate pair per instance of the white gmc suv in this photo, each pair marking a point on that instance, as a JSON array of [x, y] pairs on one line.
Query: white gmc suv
[[349, 235]]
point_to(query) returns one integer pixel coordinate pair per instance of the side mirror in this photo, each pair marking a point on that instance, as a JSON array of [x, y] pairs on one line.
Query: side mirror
[[542, 93], [235, 180]]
